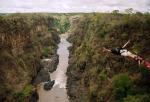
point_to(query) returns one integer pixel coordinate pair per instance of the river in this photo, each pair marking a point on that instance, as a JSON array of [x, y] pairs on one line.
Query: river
[[58, 93]]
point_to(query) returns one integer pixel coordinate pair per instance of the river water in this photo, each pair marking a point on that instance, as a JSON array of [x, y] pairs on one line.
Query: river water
[[58, 93]]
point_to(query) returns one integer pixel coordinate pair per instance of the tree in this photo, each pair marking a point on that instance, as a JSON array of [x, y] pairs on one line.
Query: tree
[[115, 11], [129, 10], [139, 13]]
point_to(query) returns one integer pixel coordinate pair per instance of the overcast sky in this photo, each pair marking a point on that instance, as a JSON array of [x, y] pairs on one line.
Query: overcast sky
[[72, 5]]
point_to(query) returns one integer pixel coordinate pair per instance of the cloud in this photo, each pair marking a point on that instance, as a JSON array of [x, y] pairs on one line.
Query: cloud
[[72, 5]]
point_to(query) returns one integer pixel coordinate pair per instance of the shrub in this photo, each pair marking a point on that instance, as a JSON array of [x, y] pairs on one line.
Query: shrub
[[145, 73], [27, 90], [20, 96], [62, 23], [121, 85], [103, 75], [93, 90], [6, 57], [144, 79], [21, 62], [93, 71], [137, 48], [47, 51], [137, 98], [102, 33]]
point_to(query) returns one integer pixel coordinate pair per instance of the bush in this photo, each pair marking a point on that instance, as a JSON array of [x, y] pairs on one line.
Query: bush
[[102, 33], [137, 48], [93, 90], [27, 90], [137, 98], [144, 79], [6, 57], [103, 75], [121, 85], [47, 51], [21, 62], [63, 24], [145, 73], [20, 96]]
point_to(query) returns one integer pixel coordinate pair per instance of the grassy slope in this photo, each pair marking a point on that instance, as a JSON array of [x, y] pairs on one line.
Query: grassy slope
[[103, 77]]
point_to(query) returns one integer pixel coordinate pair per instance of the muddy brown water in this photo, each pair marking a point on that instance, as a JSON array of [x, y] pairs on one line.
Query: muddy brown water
[[58, 93]]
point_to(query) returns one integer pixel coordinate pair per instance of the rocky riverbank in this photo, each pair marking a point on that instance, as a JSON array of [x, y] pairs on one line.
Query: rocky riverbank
[[48, 65], [58, 92]]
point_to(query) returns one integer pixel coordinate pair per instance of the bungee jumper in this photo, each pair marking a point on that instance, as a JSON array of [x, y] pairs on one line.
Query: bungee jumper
[[121, 51]]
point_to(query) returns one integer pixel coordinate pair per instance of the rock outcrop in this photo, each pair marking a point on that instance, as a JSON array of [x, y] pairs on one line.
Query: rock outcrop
[[50, 64], [42, 76], [48, 85]]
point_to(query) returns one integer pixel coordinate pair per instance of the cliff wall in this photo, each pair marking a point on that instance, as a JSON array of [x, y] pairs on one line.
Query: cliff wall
[[24, 40], [97, 76]]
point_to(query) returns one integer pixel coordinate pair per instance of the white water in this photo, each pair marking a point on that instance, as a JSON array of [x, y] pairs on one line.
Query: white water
[[58, 93]]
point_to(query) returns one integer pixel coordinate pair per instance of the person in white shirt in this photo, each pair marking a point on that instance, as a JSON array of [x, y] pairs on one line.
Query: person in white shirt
[[124, 52]]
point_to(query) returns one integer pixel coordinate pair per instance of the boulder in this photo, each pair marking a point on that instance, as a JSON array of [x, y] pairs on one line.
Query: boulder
[[34, 97], [46, 63], [50, 64], [42, 76], [48, 85]]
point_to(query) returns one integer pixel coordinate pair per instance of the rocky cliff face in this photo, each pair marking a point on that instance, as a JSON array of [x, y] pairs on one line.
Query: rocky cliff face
[[24, 40], [95, 76]]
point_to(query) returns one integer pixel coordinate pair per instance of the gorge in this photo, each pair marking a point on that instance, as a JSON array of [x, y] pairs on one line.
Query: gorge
[[67, 48], [58, 93]]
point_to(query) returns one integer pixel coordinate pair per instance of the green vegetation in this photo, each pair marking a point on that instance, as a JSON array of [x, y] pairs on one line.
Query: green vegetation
[[96, 76], [21, 63], [104, 76], [93, 90], [62, 23], [137, 98], [48, 51], [25, 39], [121, 85], [5, 56], [20, 96]]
